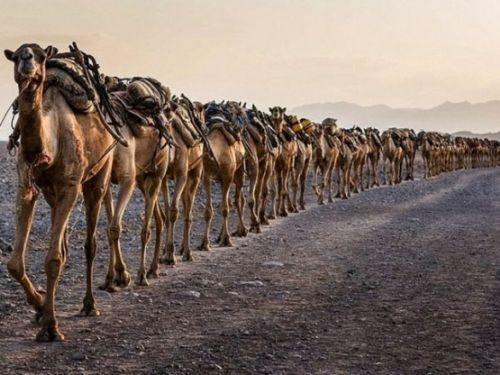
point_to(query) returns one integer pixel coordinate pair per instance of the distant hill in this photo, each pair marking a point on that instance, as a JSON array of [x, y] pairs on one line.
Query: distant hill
[[475, 135], [447, 117]]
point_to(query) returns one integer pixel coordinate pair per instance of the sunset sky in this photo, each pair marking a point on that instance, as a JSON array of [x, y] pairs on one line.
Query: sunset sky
[[289, 52]]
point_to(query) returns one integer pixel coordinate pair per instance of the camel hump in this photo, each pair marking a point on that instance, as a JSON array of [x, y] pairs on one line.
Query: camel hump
[[68, 76]]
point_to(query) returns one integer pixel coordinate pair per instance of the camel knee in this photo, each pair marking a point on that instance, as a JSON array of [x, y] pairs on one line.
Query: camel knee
[[209, 213], [173, 215], [225, 211], [145, 235], [53, 266], [15, 269], [114, 231]]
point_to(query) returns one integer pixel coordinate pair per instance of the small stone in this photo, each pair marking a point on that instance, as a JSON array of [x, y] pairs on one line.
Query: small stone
[[272, 263], [233, 293], [190, 294], [78, 357], [256, 283]]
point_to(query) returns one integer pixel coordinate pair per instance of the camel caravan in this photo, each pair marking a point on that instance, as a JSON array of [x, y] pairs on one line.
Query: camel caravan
[[80, 132]]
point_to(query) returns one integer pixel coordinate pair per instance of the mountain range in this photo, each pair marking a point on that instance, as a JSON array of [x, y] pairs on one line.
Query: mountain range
[[465, 118]]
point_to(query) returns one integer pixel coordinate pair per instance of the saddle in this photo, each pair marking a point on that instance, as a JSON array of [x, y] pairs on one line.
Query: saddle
[[219, 118], [144, 101], [69, 77]]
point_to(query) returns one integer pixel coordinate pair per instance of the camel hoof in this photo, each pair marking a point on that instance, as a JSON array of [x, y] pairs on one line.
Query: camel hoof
[[168, 260], [255, 229], [241, 232], [321, 203], [264, 221], [141, 280], [271, 217], [225, 242], [152, 273], [89, 311], [284, 214], [122, 278], [345, 197], [302, 207], [330, 200], [338, 196], [204, 246], [37, 319], [187, 258], [108, 287], [49, 334]]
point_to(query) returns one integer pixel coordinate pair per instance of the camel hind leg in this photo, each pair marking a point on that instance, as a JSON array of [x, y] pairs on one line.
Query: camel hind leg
[[150, 187], [93, 194], [159, 224], [239, 179], [224, 239], [209, 212]]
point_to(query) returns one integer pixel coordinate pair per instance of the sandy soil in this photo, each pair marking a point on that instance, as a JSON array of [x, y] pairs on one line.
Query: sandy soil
[[395, 280]]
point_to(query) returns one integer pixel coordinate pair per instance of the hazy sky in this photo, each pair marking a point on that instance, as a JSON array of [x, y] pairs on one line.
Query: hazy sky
[[396, 52]]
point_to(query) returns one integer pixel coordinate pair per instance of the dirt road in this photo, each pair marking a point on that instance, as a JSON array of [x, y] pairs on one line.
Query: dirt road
[[394, 280]]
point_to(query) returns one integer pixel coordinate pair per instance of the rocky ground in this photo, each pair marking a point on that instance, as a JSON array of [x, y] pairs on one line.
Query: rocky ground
[[395, 280]]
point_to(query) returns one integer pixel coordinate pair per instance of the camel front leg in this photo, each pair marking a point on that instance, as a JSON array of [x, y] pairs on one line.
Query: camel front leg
[[254, 191], [328, 180], [209, 211], [224, 239], [54, 263], [25, 201], [173, 214], [254, 219], [159, 224], [267, 179], [275, 197], [339, 182], [188, 197], [302, 183], [150, 189], [239, 179]]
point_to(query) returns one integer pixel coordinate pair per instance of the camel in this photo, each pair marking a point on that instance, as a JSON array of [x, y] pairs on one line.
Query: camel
[[64, 153], [283, 165], [259, 155], [300, 165], [373, 156], [360, 153], [144, 162], [185, 169], [410, 146], [274, 151], [227, 166], [344, 164], [392, 153], [325, 156]]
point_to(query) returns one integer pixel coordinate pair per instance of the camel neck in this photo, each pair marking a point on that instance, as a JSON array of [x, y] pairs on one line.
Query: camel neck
[[31, 124], [278, 125]]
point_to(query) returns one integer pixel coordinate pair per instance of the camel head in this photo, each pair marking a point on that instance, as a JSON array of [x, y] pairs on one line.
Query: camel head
[[29, 64], [277, 113]]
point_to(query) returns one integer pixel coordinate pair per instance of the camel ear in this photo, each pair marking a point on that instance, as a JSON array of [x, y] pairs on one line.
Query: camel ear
[[9, 54], [50, 51], [270, 109], [284, 109]]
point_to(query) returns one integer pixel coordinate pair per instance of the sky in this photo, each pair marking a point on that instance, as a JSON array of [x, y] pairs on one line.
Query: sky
[[277, 52]]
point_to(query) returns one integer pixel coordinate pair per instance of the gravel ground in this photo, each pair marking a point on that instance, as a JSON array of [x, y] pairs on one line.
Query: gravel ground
[[396, 280]]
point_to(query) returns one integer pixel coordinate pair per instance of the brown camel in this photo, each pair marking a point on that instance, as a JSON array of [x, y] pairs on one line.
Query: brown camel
[[344, 164], [284, 163], [393, 154], [373, 156], [64, 153], [185, 169], [325, 158], [227, 166], [144, 162], [360, 153], [300, 165]]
